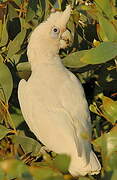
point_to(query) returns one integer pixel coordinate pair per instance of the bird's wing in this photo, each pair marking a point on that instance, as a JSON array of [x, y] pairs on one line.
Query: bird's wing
[[69, 119], [74, 102], [24, 96], [54, 118], [72, 95]]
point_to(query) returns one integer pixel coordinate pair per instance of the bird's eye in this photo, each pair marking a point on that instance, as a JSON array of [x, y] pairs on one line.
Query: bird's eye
[[54, 32]]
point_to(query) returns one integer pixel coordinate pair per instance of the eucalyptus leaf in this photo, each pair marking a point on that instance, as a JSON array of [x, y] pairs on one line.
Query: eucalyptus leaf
[[15, 45], [109, 108], [73, 60], [110, 175], [101, 54], [4, 37], [113, 161], [1, 28], [33, 5], [12, 13], [24, 70], [2, 174], [14, 168], [6, 82], [16, 58], [109, 141], [1, 58], [108, 28], [18, 2], [3, 131], [40, 12], [30, 15], [114, 175], [46, 173], [93, 108], [84, 178], [108, 145], [62, 162], [32, 8], [5, 116], [101, 33], [17, 116], [29, 145], [2, 95], [105, 7]]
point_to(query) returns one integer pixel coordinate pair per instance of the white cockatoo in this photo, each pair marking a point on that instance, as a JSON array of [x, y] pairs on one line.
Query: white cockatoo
[[53, 101]]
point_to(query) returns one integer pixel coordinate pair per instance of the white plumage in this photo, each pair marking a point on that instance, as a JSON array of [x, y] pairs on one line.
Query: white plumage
[[53, 101]]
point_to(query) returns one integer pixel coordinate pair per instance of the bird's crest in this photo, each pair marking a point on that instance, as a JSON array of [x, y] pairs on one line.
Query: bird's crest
[[59, 17]]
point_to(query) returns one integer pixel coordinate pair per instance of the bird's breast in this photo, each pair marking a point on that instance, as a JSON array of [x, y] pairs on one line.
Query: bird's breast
[[46, 83]]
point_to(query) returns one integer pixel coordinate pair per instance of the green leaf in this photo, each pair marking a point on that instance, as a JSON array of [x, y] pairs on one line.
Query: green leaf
[[30, 15], [14, 168], [3, 131], [84, 178], [17, 116], [108, 145], [24, 70], [1, 58], [2, 174], [101, 33], [1, 24], [2, 95], [101, 54], [62, 162], [18, 2], [40, 11], [4, 37], [109, 109], [113, 161], [45, 173], [73, 60], [16, 58], [110, 175], [28, 144], [15, 45], [5, 116], [105, 7], [32, 8], [114, 175], [12, 13], [6, 82], [93, 108], [107, 28], [107, 141]]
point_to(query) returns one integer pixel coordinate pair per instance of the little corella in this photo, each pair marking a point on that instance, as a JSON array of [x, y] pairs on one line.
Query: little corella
[[53, 102]]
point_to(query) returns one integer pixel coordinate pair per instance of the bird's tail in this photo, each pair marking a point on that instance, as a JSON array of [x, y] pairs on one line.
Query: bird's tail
[[77, 168]]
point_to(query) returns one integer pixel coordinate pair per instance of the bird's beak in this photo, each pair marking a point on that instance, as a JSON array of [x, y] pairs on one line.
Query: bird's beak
[[65, 39]]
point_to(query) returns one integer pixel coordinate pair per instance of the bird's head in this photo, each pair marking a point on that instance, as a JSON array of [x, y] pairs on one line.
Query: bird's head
[[50, 36]]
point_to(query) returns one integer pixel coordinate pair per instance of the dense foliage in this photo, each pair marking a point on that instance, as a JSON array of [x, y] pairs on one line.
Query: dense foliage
[[92, 58]]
